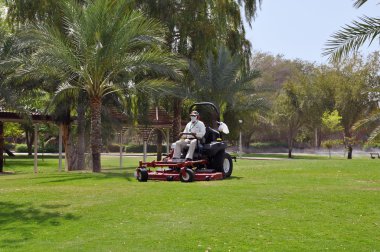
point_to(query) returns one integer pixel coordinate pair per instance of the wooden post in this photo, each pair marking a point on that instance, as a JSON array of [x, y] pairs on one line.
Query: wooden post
[[35, 147], [167, 141], [60, 149], [145, 150], [1, 146], [121, 149]]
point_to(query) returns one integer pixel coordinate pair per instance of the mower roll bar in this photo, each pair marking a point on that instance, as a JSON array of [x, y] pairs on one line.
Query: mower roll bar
[[206, 104]]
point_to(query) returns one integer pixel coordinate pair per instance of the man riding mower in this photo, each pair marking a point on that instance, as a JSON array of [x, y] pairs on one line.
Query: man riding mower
[[200, 154]]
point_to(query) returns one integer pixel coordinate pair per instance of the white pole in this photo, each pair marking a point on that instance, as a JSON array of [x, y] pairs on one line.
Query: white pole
[[240, 145], [240, 140], [121, 149], [60, 149], [145, 150], [35, 147]]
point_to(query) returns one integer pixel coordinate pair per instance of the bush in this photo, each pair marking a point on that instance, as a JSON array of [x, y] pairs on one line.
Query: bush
[[113, 148], [21, 148], [9, 146], [133, 148], [367, 146], [261, 145], [50, 148]]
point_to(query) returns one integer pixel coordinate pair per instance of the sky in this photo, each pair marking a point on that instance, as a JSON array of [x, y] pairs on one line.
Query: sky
[[300, 28]]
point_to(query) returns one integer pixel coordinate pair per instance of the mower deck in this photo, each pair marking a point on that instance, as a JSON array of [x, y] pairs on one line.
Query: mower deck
[[172, 170]]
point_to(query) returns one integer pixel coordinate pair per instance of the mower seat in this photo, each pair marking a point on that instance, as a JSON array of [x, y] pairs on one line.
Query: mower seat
[[211, 135]]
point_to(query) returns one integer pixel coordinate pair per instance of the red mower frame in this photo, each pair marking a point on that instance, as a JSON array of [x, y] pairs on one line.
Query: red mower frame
[[176, 171]]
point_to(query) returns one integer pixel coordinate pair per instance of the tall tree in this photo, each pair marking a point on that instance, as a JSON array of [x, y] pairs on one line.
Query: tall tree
[[295, 104], [351, 93], [288, 112], [196, 28], [105, 40]]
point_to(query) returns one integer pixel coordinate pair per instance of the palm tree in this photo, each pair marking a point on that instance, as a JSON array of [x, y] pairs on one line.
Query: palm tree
[[99, 43], [221, 78], [352, 37]]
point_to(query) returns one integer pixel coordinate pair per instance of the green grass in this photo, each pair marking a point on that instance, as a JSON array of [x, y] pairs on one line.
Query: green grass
[[299, 156], [297, 205]]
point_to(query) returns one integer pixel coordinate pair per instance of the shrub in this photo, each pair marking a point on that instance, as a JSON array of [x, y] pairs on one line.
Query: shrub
[[21, 148], [264, 145], [369, 145], [50, 148], [133, 148], [9, 146], [329, 144], [113, 148]]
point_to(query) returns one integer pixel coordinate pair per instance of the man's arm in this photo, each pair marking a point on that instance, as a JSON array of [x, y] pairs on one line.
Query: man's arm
[[202, 130], [186, 130]]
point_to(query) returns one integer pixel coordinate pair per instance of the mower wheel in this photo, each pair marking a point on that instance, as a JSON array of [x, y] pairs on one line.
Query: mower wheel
[[222, 162], [227, 165], [188, 177], [142, 174]]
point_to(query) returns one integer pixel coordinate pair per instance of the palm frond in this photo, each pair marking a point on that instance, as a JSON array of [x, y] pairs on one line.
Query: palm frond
[[375, 133], [352, 37], [359, 3]]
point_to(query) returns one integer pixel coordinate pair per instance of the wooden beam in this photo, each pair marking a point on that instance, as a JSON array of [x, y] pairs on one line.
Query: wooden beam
[[145, 150], [1, 146]]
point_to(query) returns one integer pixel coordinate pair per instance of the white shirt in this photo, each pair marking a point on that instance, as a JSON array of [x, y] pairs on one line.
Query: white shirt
[[196, 127]]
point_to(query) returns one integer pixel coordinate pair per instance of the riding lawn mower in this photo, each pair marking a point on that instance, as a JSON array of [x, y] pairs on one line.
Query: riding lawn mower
[[210, 160]]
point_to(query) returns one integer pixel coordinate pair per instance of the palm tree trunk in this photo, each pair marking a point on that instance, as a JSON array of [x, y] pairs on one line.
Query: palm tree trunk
[[29, 139], [290, 143], [81, 135], [348, 142], [177, 108], [65, 127], [96, 132]]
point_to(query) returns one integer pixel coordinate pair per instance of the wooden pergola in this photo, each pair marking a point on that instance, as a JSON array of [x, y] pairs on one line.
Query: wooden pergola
[[158, 119], [35, 119]]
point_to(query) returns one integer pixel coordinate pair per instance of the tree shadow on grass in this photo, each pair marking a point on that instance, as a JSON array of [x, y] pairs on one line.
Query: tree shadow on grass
[[105, 174], [19, 222]]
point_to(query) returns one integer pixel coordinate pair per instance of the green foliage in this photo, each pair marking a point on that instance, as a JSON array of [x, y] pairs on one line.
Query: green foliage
[[13, 130], [197, 28], [50, 148], [267, 145], [103, 49], [330, 143], [351, 37], [332, 121], [22, 148], [369, 145], [220, 80]]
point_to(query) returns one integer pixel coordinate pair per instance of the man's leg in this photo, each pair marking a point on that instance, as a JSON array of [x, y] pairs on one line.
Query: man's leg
[[190, 152], [178, 148]]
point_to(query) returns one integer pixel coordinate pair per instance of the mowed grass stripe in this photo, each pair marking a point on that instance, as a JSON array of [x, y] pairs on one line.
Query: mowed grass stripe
[[267, 205]]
